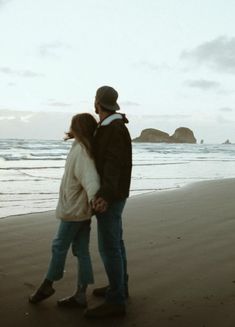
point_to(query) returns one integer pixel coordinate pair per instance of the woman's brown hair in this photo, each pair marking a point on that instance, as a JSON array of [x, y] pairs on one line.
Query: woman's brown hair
[[83, 127]]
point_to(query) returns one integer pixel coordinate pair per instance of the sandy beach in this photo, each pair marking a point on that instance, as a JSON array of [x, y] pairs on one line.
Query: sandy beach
[[181, 255]]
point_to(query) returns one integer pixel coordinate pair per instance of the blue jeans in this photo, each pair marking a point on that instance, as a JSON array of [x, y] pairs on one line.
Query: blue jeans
[[76, 234], [112, 251]]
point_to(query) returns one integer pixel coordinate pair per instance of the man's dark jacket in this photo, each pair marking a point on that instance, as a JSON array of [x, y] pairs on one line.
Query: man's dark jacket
[[113, 158]]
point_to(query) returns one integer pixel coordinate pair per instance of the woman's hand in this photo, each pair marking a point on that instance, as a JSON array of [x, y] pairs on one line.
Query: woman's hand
[[99, 205]]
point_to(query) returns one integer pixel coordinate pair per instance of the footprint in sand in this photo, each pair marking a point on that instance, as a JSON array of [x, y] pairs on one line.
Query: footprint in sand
[[2, 274], [174, 316], [29, 285]]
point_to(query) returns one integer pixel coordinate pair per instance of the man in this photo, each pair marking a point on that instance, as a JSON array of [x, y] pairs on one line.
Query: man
[[113, 158]]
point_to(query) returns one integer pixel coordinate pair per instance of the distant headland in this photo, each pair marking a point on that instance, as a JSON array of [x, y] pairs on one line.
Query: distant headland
[[152, 135]]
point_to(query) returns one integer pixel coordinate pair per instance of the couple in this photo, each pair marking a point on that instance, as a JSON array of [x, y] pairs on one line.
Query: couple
[[96, 180]]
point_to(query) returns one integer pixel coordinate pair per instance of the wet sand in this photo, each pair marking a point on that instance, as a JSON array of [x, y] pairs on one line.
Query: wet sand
[[181, 256]]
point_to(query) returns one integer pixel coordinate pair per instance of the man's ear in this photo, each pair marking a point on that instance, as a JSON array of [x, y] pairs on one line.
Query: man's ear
[[97, 107]]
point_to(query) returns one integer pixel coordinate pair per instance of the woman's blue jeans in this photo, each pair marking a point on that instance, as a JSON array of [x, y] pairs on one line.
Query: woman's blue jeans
[[112, 251], [76, 234]]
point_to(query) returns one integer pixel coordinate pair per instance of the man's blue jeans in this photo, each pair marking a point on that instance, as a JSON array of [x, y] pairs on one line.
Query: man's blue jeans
[[76, 234], [112, 251]]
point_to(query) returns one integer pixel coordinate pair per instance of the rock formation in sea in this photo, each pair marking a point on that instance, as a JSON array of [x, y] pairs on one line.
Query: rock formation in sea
[[227, 142], [152, 135]]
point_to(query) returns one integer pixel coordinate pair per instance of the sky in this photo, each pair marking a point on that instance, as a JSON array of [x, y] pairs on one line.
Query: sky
[[171, 61]]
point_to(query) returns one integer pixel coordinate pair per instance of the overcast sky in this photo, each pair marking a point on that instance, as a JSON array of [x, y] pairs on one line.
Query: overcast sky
[[172, 62]]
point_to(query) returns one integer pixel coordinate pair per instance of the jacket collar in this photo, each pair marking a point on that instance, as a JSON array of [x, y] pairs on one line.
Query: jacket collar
[[108, 120]]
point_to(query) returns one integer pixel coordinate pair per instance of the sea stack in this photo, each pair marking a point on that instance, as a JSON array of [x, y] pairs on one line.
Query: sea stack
[[152, 135], [227, 142], [183, 135]]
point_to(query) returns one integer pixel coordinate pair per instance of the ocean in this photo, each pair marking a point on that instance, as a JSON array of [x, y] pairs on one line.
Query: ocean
[[31, 170]]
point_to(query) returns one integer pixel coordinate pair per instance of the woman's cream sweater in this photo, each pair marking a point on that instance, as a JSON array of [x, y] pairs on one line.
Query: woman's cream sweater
[[78, 187]]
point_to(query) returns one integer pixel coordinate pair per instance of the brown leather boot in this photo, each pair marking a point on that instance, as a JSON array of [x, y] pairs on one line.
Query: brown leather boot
[[101, 291]]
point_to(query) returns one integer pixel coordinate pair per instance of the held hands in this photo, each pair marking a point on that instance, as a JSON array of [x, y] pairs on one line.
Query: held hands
[[99, 205]]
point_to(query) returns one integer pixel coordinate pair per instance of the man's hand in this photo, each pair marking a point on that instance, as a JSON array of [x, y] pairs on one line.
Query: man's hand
[[99, 205]]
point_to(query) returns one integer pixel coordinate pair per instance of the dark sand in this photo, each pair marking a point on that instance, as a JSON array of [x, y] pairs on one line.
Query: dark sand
[[181, 250]]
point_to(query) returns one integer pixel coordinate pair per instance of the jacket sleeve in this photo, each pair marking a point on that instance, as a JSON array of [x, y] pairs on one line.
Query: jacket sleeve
[[86, 173], [114, 160]]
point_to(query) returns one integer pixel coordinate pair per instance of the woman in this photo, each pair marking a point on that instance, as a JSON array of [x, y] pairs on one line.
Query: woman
[[78, 187]]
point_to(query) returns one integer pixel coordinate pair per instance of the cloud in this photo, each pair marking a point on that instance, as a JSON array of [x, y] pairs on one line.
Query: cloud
[[51, 49], [217, 54], [19, 73], [7, 117], [226, 109], [7, 114], [203, 84], [222, 120], [11, 84], [59, 104], [3, 2], [129, 104], [166, 117], [26, 118], [28, 124], [152, 66], [19, 116]]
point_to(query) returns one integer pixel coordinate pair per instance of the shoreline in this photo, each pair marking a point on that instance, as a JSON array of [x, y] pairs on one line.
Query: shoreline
[[177, 188], [32, 185]]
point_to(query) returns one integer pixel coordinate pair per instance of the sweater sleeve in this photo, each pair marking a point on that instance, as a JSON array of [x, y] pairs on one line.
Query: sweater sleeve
[[86, 173]]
